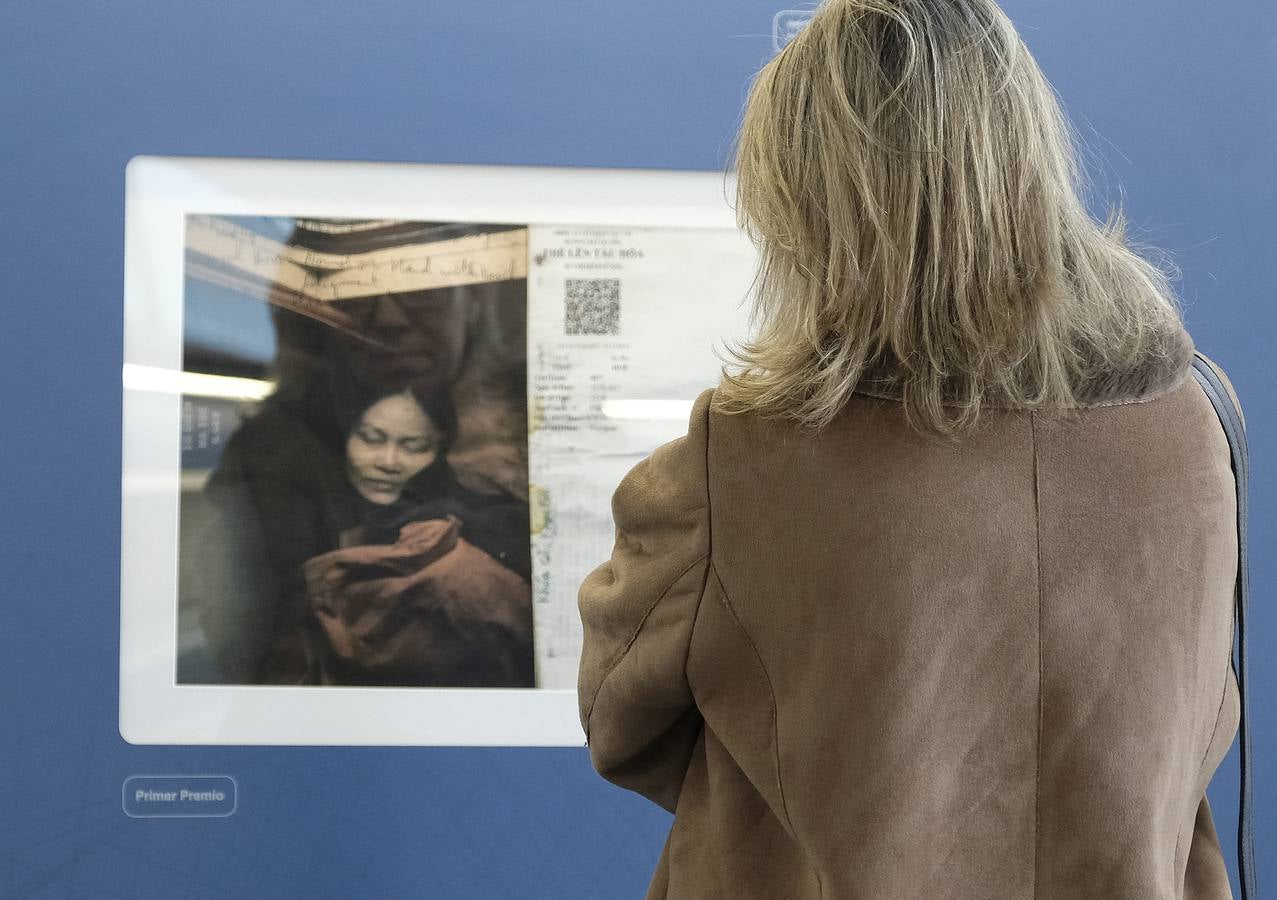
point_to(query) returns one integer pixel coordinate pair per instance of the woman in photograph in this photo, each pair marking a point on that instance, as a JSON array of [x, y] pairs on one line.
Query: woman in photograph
[[364, 560], [433, 588], [935, 598]]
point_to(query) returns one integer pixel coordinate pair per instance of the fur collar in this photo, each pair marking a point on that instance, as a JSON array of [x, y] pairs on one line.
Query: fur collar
[[1164, 367]]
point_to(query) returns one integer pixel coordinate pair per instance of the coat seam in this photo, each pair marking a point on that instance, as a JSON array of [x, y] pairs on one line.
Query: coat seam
[[612, 667], [709, 545], [709, 561], [775, 723], [1219, 715], [704, 557], [1037, 764], [1223, 696]]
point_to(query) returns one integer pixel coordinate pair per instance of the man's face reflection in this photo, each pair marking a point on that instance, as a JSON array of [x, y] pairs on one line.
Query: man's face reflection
[[417, 338]]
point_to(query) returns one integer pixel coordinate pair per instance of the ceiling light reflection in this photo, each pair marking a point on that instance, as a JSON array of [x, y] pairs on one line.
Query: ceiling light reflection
[[159, 380], [649, 410]]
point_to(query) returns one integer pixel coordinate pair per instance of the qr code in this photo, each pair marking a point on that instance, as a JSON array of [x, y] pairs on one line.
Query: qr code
[[593, 305]]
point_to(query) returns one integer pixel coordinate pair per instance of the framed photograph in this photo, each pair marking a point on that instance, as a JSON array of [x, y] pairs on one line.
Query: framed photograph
[[373, 417]]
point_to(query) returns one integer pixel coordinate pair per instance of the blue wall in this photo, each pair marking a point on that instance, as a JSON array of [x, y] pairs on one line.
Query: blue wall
[[1174, 98]]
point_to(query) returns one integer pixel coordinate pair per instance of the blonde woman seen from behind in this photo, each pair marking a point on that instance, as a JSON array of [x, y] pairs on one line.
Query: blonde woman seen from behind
[[935, 597]]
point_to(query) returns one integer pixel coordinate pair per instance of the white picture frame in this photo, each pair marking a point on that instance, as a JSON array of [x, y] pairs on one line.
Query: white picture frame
[[160, 193]]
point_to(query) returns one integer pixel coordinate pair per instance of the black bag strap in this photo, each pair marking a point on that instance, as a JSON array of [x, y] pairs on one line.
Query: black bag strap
[[1230, 418]]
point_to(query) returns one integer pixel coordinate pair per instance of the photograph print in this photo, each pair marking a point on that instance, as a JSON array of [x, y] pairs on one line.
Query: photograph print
[[354, 497]]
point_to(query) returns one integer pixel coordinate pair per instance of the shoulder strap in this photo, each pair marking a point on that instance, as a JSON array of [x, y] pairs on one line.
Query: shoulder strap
[[1230, 418]]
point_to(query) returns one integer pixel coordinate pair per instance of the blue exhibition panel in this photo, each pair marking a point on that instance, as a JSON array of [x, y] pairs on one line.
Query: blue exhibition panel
[[1173, 104]]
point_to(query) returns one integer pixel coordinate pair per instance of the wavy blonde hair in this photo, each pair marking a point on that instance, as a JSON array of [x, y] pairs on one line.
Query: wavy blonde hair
[[913, 187]]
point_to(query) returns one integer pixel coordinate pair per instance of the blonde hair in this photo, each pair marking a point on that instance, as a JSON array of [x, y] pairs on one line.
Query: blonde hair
[[912, 185]]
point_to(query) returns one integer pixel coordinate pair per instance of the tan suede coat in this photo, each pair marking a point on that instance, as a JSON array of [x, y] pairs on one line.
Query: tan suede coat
[[870, 665]]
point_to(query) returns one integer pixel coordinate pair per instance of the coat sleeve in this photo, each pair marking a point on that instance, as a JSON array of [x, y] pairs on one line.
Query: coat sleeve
[[638, 609]]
